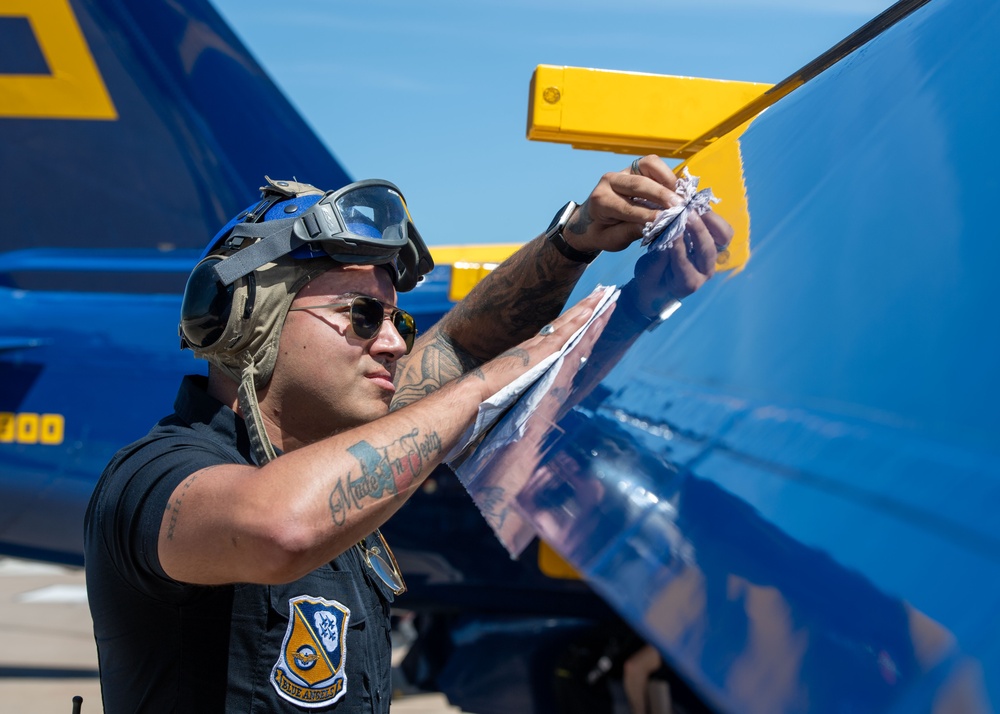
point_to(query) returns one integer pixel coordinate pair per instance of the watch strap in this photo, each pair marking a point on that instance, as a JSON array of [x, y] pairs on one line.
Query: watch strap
[[560, 244], [554, 235]]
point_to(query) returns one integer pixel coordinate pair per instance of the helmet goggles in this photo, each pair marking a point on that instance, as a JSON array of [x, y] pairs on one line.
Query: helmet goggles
[[363, 223]]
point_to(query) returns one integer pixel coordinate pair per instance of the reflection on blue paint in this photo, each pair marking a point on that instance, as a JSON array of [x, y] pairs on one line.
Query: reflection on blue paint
[[791, 488]]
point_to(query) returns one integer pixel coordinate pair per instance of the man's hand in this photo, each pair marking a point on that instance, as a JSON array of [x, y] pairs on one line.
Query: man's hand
[[611, 219]]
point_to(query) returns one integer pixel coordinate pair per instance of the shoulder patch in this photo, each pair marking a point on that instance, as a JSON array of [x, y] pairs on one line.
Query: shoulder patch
[[310, 670]]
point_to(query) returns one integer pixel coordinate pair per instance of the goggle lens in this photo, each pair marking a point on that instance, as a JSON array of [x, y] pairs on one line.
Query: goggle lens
[[374, 212]]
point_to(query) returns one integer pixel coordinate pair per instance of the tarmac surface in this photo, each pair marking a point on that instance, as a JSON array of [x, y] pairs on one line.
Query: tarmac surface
[[47, 650]]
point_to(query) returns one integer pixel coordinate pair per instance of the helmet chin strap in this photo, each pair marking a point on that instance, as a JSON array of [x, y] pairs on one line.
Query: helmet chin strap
[[263, 450]]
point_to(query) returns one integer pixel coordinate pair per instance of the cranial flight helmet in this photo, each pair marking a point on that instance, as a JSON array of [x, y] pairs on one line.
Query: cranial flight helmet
[[238, 294]]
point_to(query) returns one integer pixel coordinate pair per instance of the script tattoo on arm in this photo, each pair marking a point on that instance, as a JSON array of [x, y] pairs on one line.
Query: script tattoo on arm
[[174, 505], [385, 471]]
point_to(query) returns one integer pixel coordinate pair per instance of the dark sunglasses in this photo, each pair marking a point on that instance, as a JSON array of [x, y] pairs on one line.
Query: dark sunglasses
[[368, 314], [383, 563]]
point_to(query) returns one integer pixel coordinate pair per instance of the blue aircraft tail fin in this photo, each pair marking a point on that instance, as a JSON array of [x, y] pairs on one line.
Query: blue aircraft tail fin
[[136, 124]]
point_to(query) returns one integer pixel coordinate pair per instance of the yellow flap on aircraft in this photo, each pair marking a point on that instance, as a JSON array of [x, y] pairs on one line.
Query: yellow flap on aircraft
[[629, 112]]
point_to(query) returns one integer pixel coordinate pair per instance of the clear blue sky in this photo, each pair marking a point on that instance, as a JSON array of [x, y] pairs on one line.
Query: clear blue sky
[[433, 94]]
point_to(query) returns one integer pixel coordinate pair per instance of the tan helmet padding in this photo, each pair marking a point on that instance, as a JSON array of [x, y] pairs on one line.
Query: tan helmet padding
[[248, 347], [252, 342], [289, 188]]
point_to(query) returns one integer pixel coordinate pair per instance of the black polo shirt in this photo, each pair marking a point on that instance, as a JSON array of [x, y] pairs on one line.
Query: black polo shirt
[[320, 643]]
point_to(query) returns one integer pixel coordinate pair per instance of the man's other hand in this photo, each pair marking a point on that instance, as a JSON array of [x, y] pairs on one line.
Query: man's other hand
[[613, 216]]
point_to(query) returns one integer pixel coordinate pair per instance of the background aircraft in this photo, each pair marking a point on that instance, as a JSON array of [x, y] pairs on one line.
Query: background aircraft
[[789, 488]]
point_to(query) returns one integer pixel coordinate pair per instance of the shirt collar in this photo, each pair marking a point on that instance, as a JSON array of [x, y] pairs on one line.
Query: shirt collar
[[208, 415]]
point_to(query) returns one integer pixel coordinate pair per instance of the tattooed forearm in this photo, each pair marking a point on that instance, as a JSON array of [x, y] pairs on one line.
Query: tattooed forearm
[[174, 505], [516, 353], [528, 290], [385, 471], [439, 362], [477, 373]]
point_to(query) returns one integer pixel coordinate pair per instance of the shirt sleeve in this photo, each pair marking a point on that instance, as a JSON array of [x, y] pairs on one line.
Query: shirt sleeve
[[137, 486]]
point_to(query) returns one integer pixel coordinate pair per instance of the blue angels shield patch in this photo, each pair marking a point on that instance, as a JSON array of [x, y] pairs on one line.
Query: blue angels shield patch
[[310, 669]]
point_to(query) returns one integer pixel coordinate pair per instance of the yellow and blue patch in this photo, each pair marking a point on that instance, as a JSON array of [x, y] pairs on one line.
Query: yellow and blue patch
[[311, 667]]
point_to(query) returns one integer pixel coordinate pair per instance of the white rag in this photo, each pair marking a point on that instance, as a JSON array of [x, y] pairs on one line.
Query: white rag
[[674, 219]]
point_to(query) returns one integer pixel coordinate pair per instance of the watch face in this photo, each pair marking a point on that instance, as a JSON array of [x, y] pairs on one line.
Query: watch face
[[560, 219]]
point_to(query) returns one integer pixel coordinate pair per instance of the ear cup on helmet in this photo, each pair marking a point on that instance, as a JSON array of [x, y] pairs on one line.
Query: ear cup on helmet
[[405, 265], [412, 262], [205, 307]]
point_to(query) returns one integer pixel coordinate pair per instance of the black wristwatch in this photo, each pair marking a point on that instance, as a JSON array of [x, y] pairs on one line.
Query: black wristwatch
[[554, 235]]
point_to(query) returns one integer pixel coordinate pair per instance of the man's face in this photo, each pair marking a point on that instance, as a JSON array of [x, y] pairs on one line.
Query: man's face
[[326, 378]]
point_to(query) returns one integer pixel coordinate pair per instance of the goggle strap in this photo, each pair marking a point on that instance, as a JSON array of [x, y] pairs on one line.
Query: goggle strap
[[263, 206], [279, 240]]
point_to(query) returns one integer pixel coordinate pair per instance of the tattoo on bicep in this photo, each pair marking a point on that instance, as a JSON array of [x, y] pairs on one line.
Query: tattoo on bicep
[[174, 505], [385, 471]]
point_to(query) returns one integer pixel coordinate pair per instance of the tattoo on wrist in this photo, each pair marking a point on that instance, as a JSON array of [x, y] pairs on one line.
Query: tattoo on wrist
[[385, 471], [518, 354], [477, 373], [581, 221]]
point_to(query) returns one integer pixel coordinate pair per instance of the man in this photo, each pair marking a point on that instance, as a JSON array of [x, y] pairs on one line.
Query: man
[[233, 558]]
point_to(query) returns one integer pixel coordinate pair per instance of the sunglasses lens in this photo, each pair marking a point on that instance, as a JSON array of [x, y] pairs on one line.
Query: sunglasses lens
[[383, 564], [385, 572], [366, 317], [368, 313], [406, 326]]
